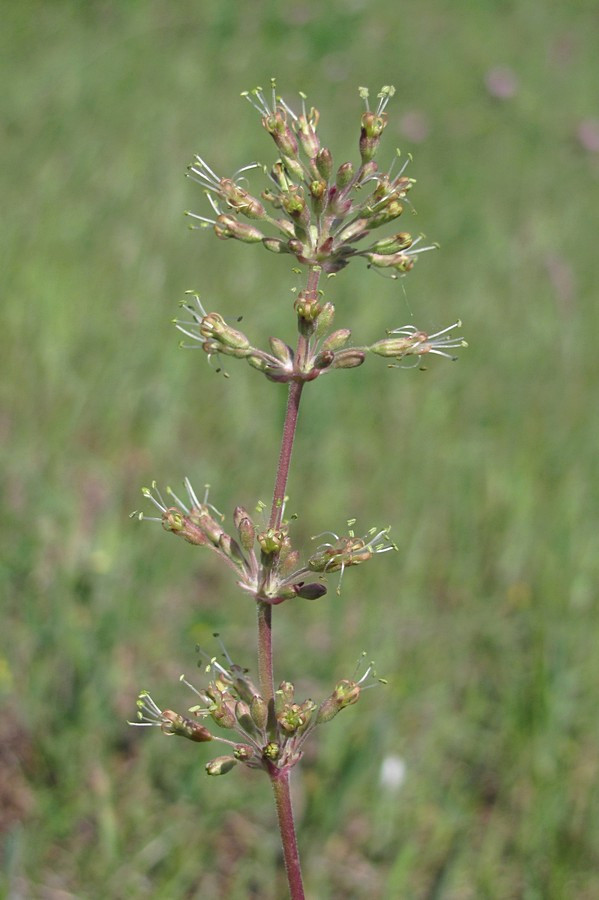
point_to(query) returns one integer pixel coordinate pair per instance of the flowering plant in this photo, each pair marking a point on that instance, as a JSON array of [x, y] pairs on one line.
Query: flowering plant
[[324, 217]]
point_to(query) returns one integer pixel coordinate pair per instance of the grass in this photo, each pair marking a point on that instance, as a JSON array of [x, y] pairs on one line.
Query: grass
[[485, 623]]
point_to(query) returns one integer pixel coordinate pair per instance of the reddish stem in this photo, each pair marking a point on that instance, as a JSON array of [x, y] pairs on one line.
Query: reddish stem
[[280, 786], [280, 779], [293, 401]]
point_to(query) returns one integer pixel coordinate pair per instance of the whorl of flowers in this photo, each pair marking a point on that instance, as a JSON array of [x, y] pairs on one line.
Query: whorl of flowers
[[311, 208], [271, 736]]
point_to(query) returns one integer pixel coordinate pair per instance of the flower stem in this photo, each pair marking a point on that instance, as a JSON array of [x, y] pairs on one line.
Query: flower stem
[[280, 786], [280, 779], [293, 401]]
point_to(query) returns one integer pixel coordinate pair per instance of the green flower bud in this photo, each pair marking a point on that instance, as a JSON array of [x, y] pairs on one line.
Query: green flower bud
[[308, 306], [258, 362], [345, 694], [353, 232], [243, 684], [399, 261], [213, 326], [291, 717], [289, 563], [286, 691], [245, 528], [392, 210], [173, 723], [242, 713], [337, 339], [243, 752], [294, 205], [324, 162], [275, 245], [223, 711], [306, 130], [393, 244], [282, 351], [259, 711], [325, 319], [241, 201], [345, 174], [221, 765], [271, 540], [271, 751], [231, 549], [348, 359], [226, 227]]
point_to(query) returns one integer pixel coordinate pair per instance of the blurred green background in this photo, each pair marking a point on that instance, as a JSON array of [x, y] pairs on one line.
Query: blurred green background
[[486, 622]]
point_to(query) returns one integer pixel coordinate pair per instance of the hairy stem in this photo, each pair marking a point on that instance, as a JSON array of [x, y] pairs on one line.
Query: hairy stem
[[280, 779], [293, 401], [265, 651], [280, 786]]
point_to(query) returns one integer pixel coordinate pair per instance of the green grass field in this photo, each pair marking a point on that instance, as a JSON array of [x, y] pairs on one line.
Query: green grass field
[[486, 623]]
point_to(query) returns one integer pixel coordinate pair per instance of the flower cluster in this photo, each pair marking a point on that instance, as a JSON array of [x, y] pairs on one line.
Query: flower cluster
[[266, 565], [324, 350], [272, 735], [314, 210]]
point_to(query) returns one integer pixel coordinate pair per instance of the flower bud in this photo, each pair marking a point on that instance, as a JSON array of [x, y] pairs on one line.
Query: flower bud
[[393, 244], [226, 227], [289, 563], [243, 684], [183, 526], [392, 210], [400, 261], [271, 751], [214, 327], [245, 528], [231, 549], [306, 130], [339, 203], [312, 591], [345, 694], [350, 551], [275, 245], [293, 166], [242, 714], [323, 360], [271, 540], [396, 347], [208, 525], [345, 174], [348, 359], [184, 727], [259, 711], [317, 189], [286, 692], [221, 765], [307, 306], [353, 232], [258, 362], [223, 710], [282, 351], [241, 200], [291, 717], [324, 162], [294, 205], [337, 339], [283, 136], [325, 319], [243, 752]]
